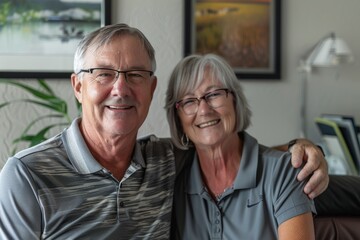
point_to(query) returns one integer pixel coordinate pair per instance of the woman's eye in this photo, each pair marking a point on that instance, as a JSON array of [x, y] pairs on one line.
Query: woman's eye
[[212, 95], [188, 102]]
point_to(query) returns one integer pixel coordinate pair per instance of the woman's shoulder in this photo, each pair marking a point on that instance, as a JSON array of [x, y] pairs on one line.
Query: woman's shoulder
[[273, 154], [277, 165]]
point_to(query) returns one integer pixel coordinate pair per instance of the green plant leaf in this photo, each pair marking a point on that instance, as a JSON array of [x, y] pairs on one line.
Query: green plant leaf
[[4, 104], [37, 138], [25, 133], [36, 93], [31, 139], [42, 97], [60, 107], [33, 122], [45, 86]]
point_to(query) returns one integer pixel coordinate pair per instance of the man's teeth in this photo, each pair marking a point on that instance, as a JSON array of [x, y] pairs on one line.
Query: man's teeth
[[208, 124]]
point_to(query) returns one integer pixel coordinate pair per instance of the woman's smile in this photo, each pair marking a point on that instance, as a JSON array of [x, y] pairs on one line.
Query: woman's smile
[[208, 124]]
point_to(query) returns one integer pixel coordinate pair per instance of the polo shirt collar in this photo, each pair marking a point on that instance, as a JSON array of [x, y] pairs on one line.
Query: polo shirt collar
[[80, 155], [246, 176]]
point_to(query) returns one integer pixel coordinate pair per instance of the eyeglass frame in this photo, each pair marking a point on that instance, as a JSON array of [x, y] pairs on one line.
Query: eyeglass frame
[[203, 97], [90, 70]]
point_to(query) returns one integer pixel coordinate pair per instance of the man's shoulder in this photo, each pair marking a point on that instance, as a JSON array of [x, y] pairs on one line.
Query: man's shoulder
[[152, 145], [50, 144], [153, 140], [39, 155]]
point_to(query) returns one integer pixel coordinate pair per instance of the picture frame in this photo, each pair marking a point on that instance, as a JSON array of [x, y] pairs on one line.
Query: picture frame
[[245, 33], [38, 38]]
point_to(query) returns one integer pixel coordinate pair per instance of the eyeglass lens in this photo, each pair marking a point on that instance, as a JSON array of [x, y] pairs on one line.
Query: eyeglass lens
[[109, 76], [214, 99]]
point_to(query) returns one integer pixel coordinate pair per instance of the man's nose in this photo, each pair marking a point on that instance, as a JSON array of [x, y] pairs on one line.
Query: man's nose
[[120, 84]]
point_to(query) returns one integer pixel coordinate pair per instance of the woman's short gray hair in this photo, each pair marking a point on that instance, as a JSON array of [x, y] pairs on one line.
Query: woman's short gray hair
[[188, 75], [103, 36]]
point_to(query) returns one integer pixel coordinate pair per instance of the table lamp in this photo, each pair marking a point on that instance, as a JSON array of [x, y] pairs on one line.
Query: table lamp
[[330, 51]]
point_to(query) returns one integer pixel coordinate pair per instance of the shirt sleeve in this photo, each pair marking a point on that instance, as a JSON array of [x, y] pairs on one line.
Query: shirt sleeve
[[19, 208], [288, 193]]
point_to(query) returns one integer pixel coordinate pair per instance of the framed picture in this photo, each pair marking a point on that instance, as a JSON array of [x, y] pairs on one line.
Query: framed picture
[[244, 32], [38, 38]]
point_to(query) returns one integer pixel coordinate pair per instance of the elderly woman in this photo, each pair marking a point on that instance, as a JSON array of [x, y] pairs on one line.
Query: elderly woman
[[234, 188]]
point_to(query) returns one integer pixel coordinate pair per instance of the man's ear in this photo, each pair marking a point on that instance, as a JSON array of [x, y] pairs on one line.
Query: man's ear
[[153, 85], [76, 84]]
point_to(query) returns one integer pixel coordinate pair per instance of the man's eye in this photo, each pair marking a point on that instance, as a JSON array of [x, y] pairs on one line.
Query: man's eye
[[105, 74], [134, 75]]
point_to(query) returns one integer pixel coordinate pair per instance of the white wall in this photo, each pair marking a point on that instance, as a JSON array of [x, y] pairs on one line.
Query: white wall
[[275, 104]]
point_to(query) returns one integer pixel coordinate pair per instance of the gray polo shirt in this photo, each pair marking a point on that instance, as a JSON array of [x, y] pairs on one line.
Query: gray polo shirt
[[265, 194], [57, 190]]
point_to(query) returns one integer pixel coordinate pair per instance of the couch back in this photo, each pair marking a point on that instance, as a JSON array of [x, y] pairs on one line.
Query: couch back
[[338, 209]]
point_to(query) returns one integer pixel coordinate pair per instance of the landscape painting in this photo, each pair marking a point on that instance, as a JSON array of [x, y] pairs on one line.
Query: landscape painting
[[38, 38], [245, 32]]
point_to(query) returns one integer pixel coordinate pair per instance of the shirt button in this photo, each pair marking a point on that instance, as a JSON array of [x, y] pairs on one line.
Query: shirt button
[[217, 221], [122, 204]]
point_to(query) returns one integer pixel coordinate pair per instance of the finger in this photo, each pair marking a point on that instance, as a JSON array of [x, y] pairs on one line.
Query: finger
[[309, 169], [315, 162], [313, 193], [317, 184], [316, 192], [297, 156]]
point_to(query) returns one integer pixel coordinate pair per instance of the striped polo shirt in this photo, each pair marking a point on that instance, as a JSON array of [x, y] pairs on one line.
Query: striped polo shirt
[[57, 190]]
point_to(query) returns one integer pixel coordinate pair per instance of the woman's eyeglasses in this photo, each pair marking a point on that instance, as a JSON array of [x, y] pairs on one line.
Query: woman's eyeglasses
[[214, 99]]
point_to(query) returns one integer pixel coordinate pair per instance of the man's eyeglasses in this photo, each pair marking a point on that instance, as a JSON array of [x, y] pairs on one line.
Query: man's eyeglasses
[[214, 99], [107, 76]]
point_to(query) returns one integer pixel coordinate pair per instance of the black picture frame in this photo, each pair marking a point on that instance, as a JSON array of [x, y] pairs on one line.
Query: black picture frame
[[70, 32], [249, 61]]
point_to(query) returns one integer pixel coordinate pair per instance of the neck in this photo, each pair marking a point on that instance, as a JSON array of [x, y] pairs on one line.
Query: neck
[[219, 166], [114, 154]]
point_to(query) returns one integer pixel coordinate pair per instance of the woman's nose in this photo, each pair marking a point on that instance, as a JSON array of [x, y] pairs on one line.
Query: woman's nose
[[203, 106]]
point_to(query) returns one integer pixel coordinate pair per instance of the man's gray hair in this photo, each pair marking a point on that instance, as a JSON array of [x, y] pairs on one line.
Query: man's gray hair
[[103, 36]]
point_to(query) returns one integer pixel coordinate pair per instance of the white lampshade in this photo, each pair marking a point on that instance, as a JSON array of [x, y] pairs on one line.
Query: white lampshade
[[329, 52]]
